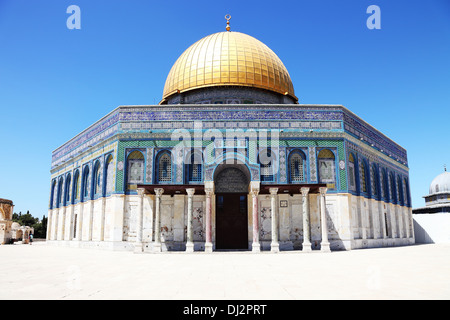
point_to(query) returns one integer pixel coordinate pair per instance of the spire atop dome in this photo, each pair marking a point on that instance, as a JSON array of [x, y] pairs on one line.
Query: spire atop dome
[[228, 17]]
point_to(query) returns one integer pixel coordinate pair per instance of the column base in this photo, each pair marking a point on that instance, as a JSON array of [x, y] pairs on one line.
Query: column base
[[138, 248], [208, 247], [256, 247], [274, 247], [325, 247], [157, 247], [306, 247], [190, 247]]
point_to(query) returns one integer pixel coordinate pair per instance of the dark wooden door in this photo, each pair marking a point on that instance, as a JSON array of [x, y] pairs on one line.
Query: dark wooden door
[[231, 221]]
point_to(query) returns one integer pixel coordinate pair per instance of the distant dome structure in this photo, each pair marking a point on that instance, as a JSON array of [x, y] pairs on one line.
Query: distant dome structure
[[441, 183], [432, 222], [438, 199]]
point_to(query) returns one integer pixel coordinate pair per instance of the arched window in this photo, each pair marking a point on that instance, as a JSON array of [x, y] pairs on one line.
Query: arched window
[[297, 166], [135, 167], [67, 190], [374, 181], [76, 186], [351, 172], [193, 167], [382, 185], [85, 184], [97, 179], [393, 193], [326, 167], [109, 171], [266, 159], [400, 191], [60, 192], [53, 195], [164, 168], [362, 177], [406, 192]]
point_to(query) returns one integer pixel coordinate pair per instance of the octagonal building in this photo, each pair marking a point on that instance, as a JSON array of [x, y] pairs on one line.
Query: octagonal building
[[229, 160]]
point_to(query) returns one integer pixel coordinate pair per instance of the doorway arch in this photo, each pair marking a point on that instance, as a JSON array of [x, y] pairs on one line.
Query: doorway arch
[[231, 183]]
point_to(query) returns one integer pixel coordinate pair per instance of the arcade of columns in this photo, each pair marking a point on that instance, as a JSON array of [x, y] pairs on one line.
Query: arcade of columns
[[325, 245]]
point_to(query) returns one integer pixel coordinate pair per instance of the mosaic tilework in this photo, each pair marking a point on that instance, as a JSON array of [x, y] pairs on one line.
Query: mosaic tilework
[[303, 117]]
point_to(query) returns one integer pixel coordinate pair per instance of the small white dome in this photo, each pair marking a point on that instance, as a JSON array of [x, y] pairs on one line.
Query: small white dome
[[441, 183]]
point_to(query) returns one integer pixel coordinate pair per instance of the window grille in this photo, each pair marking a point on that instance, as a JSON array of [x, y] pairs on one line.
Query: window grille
[[109, 175], [362, 175], [351, 172], [86, 184], [135, 167], [76, 186], [373, 180], [296, 167], [326, 167], [67, 192], [165, 168], [97, 179]]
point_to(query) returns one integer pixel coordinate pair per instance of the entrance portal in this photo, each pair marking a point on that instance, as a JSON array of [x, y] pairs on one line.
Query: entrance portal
[[231, 186], [231, 221]]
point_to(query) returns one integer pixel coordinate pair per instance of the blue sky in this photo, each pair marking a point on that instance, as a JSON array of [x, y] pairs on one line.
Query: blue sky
[[55, 82]]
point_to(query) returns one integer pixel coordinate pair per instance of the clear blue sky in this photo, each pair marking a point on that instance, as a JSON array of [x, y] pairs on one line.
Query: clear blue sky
[[55, 82]]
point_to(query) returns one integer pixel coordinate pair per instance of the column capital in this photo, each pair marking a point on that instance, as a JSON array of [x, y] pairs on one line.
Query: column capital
[[190, 192], [254, 192], [304, 191], [140, 191], [209, 192], [323, 190], [273, 191], [159, 192]]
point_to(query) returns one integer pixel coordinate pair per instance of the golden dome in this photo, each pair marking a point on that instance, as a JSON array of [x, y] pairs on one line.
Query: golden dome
[[228, 59]]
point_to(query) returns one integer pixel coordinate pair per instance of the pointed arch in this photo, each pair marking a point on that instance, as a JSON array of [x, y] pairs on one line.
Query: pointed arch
[[163, 172], [327, 167], [297, 166], [135, 167], [76, 186], [193, 168], [362, 176], [351, 172], [85, 184], [53, 194], [108, 175], [67, 190], [96, 183]]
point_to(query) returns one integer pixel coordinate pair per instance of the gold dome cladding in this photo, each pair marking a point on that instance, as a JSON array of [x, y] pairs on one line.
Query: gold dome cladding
[[228, 59]]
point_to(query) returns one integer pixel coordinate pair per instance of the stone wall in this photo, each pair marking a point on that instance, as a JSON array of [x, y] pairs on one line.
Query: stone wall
[[6, 212], [352, 222], [432, 228]]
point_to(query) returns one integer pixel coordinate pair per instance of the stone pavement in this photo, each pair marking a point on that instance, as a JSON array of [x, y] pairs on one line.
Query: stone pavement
[[40, 271]]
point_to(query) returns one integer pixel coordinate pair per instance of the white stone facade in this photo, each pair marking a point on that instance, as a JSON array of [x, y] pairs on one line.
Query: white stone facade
[[123, 222]]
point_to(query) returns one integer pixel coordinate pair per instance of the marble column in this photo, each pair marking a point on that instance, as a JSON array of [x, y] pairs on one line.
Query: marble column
[[80, 222], [208, 243], [306, 232], [157, 243], [324, 245], [102, 221], [190, 217], [140, 212], [256, 247], [274, 245]]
